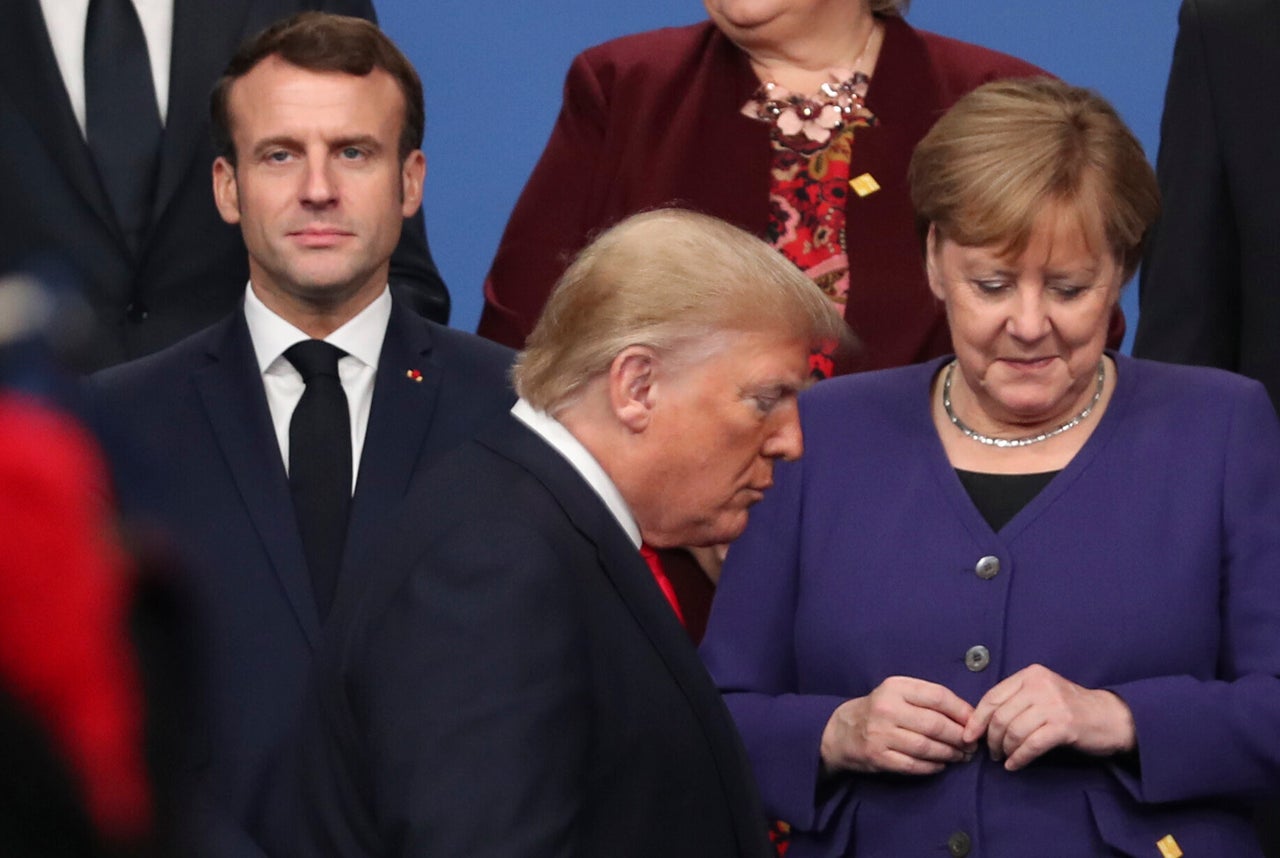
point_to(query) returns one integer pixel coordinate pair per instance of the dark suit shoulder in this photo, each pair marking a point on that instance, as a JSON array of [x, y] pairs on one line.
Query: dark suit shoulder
[[1239, 16], [465, 350], [163, 367]]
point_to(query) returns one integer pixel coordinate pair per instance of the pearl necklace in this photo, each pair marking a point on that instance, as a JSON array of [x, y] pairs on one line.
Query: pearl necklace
[[1030, 439]]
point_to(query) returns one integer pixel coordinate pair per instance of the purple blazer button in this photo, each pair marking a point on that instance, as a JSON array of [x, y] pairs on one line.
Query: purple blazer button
[[977, 658]]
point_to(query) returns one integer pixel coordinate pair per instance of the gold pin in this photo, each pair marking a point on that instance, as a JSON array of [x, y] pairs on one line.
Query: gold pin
[[1169, 847], [864, 185]]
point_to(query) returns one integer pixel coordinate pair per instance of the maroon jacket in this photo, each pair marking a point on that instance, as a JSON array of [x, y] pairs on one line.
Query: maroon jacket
[[653, 119]]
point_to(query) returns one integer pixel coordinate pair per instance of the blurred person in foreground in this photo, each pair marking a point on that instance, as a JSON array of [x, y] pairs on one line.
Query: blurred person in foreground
[[289, 432], [1035, 609], [84, 715], [515, 682], [793, 119]]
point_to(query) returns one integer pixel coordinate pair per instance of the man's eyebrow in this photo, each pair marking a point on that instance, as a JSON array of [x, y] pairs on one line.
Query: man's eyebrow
[[280, 141], [367, 141], [780, 387], [284, 141]]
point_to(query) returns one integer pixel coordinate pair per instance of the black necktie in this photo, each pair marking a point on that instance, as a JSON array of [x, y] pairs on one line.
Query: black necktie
[[320, 464], [122, 120]]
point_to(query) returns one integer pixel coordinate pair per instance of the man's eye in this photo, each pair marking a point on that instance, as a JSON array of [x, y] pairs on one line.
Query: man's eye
[[279, 156], [351, 153], [766, 402]]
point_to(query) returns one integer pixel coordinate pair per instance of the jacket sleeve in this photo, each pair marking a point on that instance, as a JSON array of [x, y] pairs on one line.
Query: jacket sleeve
[[551, 220], [748, 650], [1224, 729], [1189, 289]]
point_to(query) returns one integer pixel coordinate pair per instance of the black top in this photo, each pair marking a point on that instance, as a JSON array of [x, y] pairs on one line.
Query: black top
[[999, 497]]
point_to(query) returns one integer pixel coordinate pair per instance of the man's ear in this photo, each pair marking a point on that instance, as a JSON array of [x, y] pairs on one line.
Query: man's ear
[[633, 386], [412, 174], [226, 194], [931, 242]]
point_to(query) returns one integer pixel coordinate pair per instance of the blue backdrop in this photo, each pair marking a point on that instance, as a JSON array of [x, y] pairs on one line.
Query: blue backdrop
[[493, 73]]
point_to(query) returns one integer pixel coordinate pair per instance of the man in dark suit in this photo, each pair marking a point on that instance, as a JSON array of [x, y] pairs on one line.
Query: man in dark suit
[[514, 682], [1210, 285], [322, 120], [185, 268]]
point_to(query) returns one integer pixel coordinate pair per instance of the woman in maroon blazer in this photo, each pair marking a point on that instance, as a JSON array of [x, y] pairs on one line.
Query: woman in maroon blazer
[[793, 119]]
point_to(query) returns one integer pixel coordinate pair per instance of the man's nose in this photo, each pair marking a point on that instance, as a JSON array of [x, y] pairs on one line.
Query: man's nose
[[786, 441], [318, 188]]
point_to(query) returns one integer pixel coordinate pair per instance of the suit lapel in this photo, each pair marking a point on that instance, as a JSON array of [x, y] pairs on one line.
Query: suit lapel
[[204, 34], [400, 418], [31, 77], [236, 404]]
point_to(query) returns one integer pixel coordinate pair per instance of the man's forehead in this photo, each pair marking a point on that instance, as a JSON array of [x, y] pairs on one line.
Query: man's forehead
[[275, 81]]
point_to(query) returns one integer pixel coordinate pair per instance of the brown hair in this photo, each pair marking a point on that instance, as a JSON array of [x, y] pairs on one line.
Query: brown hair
[[321, 42], [1004, 151], [671, 280]]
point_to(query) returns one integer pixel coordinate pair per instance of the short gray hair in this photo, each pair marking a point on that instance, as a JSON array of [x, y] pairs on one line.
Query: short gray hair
[[667, 279]]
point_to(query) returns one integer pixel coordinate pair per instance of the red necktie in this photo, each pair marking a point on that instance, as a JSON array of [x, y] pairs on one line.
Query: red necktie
[[664, 583]]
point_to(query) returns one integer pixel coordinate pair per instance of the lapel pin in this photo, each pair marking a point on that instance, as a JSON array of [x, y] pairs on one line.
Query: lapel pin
[[414, 375], [1169, 847], [864, 185]]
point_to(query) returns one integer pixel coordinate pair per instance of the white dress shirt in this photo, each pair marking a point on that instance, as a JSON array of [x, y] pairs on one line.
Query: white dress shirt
[[65, 21], [561, 439], [361, 338]]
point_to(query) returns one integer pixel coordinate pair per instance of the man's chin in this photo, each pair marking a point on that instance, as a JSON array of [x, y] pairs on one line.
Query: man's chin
[[722, 532]]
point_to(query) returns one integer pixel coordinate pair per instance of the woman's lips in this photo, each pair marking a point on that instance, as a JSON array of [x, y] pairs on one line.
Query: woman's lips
[[1027, 364]]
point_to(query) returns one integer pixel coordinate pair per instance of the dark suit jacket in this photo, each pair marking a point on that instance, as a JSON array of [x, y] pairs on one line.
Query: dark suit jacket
[[1210, 285], [516, 685], [654, 119], [192, 267], [200, 410]]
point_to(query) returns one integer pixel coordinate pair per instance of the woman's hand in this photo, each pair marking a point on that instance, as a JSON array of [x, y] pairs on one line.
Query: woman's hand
[[1036, 710], [906, 725]]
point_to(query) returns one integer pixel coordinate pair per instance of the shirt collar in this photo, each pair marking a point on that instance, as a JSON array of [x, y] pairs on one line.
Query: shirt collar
[[361, 336], [554, 433]]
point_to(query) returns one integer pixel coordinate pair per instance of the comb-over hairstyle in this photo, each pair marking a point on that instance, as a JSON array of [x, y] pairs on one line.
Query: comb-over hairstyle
[[671, 280], [321, 42]]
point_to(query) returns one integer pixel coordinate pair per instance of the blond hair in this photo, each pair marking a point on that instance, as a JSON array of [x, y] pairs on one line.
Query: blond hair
[[670, 280], [1003, 152]]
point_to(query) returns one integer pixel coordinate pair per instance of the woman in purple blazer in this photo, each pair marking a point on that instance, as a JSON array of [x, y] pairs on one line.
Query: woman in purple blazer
[[1035, 608]]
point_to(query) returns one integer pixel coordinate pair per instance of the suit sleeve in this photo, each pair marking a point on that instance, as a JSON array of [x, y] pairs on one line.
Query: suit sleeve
[[1224, 730], [747, 649], [552, 219], [1189, 290], [472, 695]]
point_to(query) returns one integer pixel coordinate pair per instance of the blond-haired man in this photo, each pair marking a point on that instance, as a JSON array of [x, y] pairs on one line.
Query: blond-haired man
[[519, 686]]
